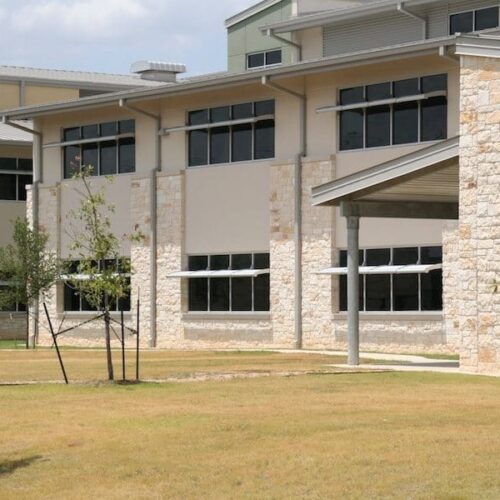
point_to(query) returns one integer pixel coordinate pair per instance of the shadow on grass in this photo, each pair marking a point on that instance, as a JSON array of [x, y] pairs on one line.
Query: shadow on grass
[[10, 466]]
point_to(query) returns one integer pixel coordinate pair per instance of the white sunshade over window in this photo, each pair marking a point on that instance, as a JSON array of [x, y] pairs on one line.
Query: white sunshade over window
[[408, 269], [241, 273]]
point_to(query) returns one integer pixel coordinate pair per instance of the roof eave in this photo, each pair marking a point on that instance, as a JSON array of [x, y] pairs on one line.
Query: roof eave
[[251, 11], [413, 49]]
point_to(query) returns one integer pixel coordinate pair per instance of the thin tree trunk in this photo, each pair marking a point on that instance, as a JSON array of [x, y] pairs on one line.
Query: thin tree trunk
[[108, 345], [27, 328]]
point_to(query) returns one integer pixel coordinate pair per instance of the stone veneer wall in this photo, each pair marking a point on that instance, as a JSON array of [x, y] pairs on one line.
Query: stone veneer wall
[[318, 230], [282, 250], [479, 228], [12, 326]]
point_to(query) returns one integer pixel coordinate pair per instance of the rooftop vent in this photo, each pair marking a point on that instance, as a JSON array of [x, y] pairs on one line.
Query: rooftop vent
[[157, 71]]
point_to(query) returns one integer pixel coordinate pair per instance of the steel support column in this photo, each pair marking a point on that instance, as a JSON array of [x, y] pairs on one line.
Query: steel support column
[[353, 289]]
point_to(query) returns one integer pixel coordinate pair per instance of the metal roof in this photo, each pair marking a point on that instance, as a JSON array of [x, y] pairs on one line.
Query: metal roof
[[81, 79], [15, 137], [219, 80], [400, 179], [251, 11], [338, 15]]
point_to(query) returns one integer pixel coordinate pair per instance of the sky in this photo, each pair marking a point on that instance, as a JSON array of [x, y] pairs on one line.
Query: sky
[[109, 35]]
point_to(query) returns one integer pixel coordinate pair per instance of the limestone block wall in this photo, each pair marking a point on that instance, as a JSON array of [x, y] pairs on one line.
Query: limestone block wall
[[479, 228], [12, 326], [318, 229], [451, 283], [282, 250], [170, 259]]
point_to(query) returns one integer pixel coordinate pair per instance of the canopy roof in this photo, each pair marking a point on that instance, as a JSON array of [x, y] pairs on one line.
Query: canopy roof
[[427, 175]]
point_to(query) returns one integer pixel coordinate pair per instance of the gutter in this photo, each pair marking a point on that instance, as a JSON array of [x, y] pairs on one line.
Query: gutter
[[153, 228], [266, 81], [35, 203]]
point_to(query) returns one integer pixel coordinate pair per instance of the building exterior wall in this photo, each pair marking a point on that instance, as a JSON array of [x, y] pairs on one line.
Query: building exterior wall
[[12, 326], [479, 228], [245, 37]]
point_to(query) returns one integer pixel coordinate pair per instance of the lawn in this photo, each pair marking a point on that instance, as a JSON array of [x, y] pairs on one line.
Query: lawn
[[90, 365], [368, 435]]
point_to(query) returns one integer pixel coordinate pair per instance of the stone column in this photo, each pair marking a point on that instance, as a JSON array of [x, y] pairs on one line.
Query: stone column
[[318, 291], [171, 300], [282, 250], [479, 228]]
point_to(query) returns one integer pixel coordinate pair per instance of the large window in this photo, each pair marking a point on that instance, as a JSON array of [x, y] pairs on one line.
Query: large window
[[109, 148], [237, 294], [15, 175], [74, 302], [246, 132], [263, 59], [393, 113], [474, 20], [397, 292]]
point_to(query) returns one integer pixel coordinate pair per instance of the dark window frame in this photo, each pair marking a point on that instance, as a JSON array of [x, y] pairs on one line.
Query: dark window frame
[[205, 158], [473, 12], [124, 130], [256, 282], [428, 277], [81, 300], [18, 171], [359, 139], [265, 55]]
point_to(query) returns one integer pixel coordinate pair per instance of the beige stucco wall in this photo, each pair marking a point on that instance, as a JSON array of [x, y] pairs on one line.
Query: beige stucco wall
[[9, 95], [227, 208]]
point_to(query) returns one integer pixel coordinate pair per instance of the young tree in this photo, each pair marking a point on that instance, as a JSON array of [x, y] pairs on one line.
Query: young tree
[[101, 276], [27, 269]]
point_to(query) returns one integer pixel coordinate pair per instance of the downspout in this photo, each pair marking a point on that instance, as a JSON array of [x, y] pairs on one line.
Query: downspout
[[270, 33], [153, 196], [401, 8], [297, 205], [37, 179]]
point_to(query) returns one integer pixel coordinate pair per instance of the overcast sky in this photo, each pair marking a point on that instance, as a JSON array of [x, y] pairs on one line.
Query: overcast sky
[[108, 35]]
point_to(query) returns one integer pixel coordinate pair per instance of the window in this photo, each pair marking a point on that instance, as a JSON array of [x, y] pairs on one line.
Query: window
[[74, 302], [112, 152], [397, 292], [15, 175], [224, 294], [15, 307], [366, 121], [262, 59], [474, 20], [250, 137]]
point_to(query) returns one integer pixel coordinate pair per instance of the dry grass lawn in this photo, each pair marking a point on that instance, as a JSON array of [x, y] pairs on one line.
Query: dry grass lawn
[[382, 435], [90, 365]]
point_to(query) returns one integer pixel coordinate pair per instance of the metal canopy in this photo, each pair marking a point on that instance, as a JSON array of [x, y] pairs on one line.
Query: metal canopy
[[408, 269], [428, 175], [240, 273]]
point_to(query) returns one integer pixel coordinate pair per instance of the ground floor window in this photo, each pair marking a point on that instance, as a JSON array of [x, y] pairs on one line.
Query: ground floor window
[[229, 293], [397, 292], [75, 302], [11, 308]]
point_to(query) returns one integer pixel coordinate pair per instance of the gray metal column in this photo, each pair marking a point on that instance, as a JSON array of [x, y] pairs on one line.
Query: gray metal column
[[353, 289]]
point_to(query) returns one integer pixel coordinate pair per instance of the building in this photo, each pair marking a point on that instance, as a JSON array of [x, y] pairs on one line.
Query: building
[[27, 87], [331, 111]]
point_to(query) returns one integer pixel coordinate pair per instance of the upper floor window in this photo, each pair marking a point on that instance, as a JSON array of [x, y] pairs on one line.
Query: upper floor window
[[265, 58], [15, 175], [109, 148], [393, 113], [474, 20], [229, 293], [397, 292], [225, 134]]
